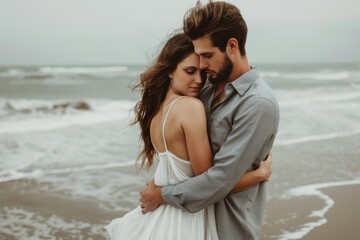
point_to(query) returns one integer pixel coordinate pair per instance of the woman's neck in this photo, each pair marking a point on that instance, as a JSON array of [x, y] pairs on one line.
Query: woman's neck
[[171, 94]]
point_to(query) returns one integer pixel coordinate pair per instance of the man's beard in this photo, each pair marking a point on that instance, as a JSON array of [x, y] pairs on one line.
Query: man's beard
[[224, 72]]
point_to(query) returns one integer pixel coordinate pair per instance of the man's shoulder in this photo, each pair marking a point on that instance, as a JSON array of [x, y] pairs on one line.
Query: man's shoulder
[[257, 98], [260, 89]]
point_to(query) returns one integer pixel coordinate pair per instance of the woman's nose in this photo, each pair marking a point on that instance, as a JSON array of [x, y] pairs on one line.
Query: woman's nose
[[198, 78]]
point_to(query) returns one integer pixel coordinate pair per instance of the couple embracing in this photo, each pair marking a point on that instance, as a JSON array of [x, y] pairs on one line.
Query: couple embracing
[[211, 120]]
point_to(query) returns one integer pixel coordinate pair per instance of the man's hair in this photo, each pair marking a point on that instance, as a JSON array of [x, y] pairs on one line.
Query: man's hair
[[220, 20]]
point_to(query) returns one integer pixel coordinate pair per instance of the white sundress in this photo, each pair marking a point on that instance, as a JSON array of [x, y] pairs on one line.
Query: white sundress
[[166, 222]]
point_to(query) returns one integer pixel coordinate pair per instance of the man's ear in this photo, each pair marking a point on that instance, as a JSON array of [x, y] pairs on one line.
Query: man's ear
[[232, 45]]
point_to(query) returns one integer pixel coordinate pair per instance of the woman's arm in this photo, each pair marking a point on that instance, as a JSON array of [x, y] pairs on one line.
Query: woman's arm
[[261, 174], [193, 121]]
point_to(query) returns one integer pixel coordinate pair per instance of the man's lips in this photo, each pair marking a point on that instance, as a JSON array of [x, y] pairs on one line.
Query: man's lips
[[209, 72]]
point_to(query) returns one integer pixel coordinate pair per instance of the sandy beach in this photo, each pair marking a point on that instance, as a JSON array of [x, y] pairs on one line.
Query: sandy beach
[[286, 217], [342, 218]]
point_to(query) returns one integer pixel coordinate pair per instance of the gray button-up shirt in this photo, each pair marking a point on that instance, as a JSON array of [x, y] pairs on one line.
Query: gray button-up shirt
[[242, 130]]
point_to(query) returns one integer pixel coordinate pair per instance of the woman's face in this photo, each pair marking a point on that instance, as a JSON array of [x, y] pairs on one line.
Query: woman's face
[[186, 79]]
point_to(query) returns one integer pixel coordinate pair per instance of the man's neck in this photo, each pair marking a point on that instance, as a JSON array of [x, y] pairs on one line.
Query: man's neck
[[240, 67]]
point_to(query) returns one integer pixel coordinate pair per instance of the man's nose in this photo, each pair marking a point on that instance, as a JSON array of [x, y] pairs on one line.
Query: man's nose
[[203, 63]]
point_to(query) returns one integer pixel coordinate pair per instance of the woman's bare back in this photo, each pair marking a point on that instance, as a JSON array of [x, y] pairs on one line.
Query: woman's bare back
[[174, 134]]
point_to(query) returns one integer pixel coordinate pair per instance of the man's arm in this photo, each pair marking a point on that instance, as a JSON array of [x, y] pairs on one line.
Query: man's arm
[[253, 129], [261, 174]]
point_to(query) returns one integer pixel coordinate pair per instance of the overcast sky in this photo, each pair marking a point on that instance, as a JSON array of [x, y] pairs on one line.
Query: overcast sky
[[66, 32]]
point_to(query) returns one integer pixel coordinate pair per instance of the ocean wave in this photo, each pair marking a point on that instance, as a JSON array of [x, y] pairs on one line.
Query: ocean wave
[[60, 107], [20, 76], [45, 73], [313, 190], [49, 81], [290, 99], [321, 75], [11, 175], [315, 138], [13, 72], [26, 74], [82, 70], [354, 85], [25, 115]]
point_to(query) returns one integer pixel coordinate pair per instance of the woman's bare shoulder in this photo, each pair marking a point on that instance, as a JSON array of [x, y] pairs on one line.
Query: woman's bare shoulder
[[190, 103], [189, 108]]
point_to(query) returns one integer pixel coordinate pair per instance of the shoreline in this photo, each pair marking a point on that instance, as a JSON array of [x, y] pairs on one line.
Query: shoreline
[[331, 195], [311, 212], [32, 207], [38, 205], [303, 189], [318, 211], [342, 218]]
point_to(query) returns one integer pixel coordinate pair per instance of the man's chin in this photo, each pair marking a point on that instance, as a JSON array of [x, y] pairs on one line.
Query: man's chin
[[214, 80]]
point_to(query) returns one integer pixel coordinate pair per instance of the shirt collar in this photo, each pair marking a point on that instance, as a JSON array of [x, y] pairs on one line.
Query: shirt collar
[[244, 82]]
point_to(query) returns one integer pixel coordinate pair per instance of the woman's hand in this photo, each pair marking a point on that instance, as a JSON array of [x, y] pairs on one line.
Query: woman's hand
[[261, 174], [264, 170], [150, 197]]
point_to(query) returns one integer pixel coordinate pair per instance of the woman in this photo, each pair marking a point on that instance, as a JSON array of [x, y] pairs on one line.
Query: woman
[[173, 127]]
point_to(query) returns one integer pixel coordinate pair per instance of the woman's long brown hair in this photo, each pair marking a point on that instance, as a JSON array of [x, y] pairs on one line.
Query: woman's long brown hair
[[154, 84]]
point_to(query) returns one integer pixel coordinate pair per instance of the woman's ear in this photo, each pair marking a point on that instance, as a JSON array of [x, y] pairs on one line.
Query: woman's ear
[[170, 75]]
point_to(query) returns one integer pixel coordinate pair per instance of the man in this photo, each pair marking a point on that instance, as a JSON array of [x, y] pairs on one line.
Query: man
[[243, 117]]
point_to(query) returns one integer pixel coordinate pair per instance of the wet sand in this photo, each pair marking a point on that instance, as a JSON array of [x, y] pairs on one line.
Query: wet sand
[[306, 164], [342, 218], [27, 207], [295, 220], [64, 216]]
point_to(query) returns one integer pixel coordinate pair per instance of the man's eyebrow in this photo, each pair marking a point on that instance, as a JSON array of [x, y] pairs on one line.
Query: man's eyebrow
[[205, 53]]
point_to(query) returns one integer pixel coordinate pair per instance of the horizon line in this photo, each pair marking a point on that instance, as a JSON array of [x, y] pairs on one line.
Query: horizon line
[[143, 64]]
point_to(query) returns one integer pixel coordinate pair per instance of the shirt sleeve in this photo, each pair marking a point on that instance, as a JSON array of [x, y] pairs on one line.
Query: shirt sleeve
[[248, 142]]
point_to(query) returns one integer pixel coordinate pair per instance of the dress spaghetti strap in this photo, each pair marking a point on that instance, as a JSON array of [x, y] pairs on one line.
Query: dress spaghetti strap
[[163, 127]]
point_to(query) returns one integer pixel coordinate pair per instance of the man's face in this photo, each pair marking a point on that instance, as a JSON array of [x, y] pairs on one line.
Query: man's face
[[216, 64]]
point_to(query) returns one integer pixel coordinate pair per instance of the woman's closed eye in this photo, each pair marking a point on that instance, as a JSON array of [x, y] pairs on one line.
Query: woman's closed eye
[[190, 70]]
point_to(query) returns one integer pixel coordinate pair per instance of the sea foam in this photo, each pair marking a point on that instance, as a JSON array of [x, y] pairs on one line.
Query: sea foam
[[11, 175]]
